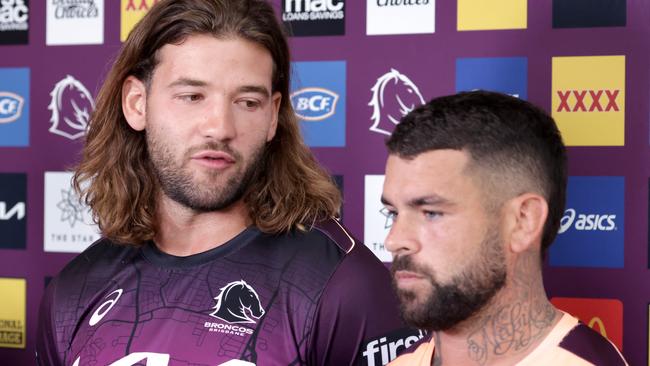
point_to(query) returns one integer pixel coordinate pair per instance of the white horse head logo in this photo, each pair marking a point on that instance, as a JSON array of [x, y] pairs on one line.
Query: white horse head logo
[[393, 96], [71, 107]]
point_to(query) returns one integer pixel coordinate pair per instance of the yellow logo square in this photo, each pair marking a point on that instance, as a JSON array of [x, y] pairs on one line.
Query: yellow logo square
[[588, 101], [132, 11], [492, 14], [12, 312]]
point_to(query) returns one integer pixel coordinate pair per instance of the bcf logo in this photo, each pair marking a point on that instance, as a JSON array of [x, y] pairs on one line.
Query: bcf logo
[[11, 106], [314, 104]]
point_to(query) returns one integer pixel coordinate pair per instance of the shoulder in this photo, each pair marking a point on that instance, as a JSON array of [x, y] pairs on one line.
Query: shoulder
[[418, 353], [589, 345], [101, 259]]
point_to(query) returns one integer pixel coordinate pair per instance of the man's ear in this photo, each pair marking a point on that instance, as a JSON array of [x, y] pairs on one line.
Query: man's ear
[[526, 217], [134, 102], [276, 100]]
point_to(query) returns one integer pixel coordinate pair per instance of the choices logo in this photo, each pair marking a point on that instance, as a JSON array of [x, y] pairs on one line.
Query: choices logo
[[400, 16], [602, 315], [13, 210], [376, 223], [318, 99], [14, 21], [13, 292], [492, 15], [14, 107], [591, 231], [508, 75], [69, 226], [394, 95], [314, 17], [588, 100], [132, 11], [66, 17], [71, 106]]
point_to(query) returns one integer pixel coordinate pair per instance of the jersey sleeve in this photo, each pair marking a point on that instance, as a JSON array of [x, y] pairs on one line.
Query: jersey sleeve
[[46, 338], [356, 305]]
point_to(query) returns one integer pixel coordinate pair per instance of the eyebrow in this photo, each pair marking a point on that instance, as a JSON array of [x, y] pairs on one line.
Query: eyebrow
[[259, 89], [187, 82], [433, 200]]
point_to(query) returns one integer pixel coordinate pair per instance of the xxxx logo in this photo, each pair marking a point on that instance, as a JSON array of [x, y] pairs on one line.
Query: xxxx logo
[[588, 100], [142, 4]]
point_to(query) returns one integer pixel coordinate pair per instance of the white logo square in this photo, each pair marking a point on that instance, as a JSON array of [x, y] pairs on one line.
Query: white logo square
[[375, 223], [69, 226], [74, 22], [409, 17]]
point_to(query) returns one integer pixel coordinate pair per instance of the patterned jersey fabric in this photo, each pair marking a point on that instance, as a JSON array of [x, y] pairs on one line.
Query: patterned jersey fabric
[[304, 298]]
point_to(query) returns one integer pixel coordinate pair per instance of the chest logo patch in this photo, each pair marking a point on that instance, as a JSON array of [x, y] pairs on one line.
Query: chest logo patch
[[238, 302]]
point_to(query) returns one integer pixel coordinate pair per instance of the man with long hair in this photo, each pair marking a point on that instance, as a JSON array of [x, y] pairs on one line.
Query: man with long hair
[[219, 239], [475, 186]]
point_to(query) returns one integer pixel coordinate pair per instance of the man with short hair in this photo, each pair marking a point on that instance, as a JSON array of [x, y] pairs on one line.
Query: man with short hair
[[219, 243], [475, 186]]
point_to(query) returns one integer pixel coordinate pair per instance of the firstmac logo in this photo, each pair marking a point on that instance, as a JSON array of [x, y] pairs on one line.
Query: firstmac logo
[[314, 104], [592, 229], [581, 222]]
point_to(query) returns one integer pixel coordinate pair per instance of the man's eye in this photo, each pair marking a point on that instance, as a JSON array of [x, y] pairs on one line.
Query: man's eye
[[432, 214], [250, 104], [191, 97]]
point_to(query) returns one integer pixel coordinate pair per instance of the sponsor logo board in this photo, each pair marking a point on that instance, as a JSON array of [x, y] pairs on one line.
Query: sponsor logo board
[[400, 17], [589, 13], [508, 75], [602, 315], [314, 17], [14, 107], [13, 292], [69, 226], [592, 229], [131, 12], [66, 17], [13, 210], [588, 99], [318, 99], [14, 22], [376, 223], [492, 15]]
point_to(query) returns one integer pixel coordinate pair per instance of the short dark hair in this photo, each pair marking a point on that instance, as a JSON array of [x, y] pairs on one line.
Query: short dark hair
[[505, 135]]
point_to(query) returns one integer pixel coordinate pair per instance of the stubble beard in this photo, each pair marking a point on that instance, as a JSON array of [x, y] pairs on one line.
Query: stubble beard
[[443, 306], [213, 191]]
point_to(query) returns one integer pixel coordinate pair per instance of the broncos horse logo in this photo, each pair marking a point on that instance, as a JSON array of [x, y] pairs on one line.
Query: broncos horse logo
[[71, 107], [393, 96], [235, 300]]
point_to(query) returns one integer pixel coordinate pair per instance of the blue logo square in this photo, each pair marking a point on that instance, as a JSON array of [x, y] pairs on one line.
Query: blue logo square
[[14, 107], [318, 99], [592, 229], [508, 75]]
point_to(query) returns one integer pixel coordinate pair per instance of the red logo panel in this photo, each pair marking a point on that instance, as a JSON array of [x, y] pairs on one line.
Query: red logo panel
[[602, 315]]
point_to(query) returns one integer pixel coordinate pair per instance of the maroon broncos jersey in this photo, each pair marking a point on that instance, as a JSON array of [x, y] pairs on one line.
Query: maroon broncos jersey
[[303, 298]]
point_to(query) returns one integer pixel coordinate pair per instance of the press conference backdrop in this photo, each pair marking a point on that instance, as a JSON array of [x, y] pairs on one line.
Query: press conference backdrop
[[358, 66]]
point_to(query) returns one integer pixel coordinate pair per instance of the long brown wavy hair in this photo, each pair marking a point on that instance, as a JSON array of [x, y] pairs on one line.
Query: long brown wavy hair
[[115, 176]]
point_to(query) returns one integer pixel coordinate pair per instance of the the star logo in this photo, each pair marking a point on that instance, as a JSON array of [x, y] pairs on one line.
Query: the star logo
[[71, 207]]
